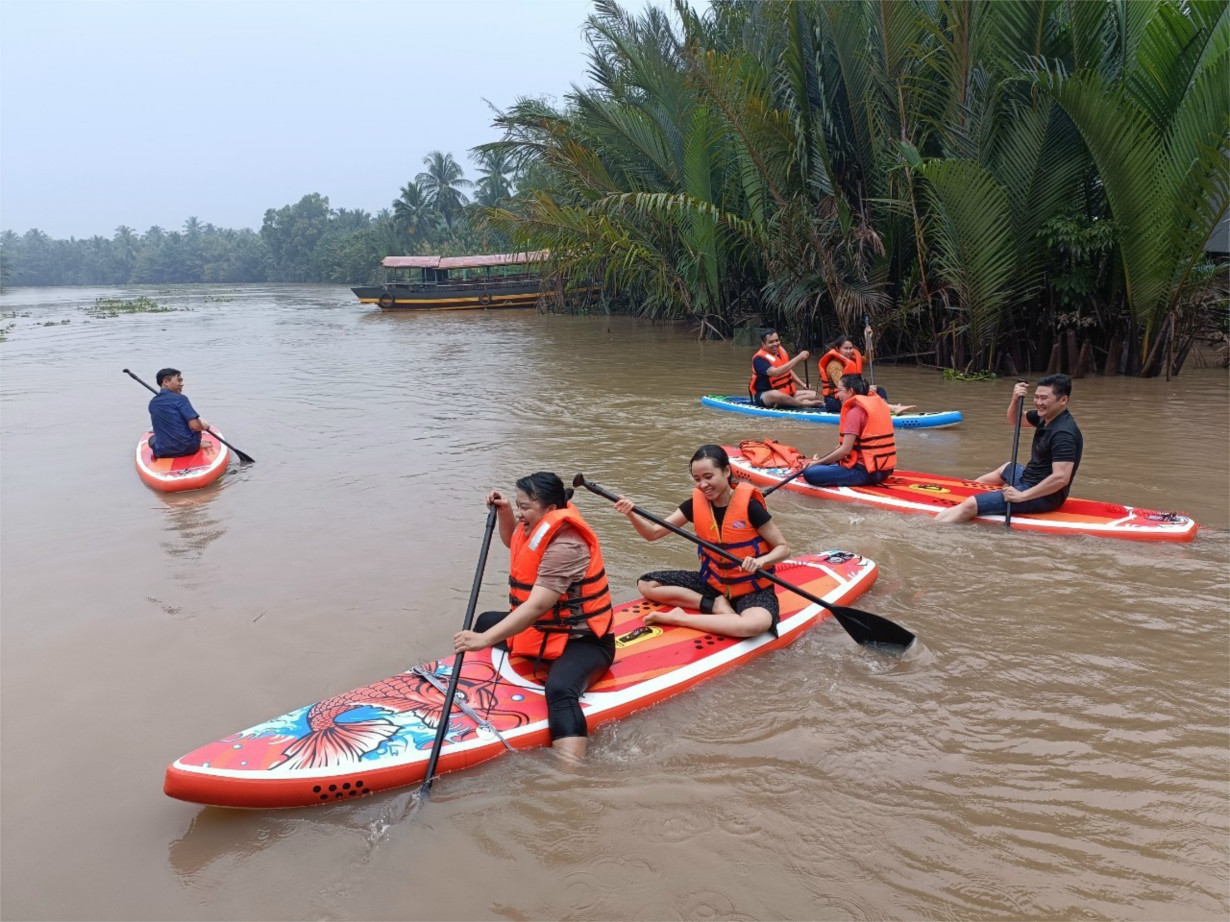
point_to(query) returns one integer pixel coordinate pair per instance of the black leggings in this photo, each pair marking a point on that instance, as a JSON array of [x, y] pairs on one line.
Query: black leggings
[[583, 662]]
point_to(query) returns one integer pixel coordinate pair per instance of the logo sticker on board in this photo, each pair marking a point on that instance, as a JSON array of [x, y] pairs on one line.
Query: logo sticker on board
[[644, 632], [929, 488]]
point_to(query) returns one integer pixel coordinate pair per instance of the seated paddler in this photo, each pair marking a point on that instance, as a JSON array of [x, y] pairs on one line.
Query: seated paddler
[[560, 612], [733, 599]]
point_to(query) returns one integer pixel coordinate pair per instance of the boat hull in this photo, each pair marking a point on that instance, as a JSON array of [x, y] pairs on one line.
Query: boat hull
[[407, 298]]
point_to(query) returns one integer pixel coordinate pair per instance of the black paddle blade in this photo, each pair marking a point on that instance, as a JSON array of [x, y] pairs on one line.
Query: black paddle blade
[[871, 630]]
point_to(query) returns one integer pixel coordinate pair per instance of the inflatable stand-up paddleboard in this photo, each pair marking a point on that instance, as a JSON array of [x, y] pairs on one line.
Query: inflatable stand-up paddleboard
[[910, 491], [174, 475], [931, 420], [379, 737]]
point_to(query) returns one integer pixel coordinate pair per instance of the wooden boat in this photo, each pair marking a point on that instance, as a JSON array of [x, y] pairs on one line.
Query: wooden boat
[[452, 283]]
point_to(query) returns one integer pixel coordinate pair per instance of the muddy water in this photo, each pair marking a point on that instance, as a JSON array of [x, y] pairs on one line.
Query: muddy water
[[1057, 751]]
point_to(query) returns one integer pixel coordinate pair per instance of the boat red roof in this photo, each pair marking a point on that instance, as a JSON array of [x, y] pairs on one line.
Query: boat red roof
[[464, 262]]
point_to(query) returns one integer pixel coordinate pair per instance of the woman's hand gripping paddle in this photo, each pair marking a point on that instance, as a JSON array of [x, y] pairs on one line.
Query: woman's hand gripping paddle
[[451, 693], [244, 457], [864, 627]]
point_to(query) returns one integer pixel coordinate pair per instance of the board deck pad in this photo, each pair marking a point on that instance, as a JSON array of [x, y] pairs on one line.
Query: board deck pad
[[191, 472], [911, 491], [938, 419], [379, 737]]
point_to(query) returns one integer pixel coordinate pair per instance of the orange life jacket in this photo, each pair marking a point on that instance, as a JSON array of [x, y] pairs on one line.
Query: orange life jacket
[[736, 535], [783, 383], [875, 447], [587, 601], [852, 366]]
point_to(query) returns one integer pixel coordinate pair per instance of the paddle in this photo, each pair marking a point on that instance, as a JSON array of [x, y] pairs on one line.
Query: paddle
[[442, 729], [871, 368], [244, 457], [1016, 442], [863, 626], [782, 483]]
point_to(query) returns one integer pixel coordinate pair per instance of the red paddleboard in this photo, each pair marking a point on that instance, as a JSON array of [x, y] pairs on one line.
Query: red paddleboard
[[910, 491], [174, 475], [379, 737]]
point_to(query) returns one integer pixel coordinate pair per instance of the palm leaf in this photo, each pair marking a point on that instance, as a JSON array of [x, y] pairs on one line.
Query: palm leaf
[[970, 228]]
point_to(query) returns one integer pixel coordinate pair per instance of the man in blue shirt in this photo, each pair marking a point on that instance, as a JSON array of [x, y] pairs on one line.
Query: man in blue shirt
[[177, 426]]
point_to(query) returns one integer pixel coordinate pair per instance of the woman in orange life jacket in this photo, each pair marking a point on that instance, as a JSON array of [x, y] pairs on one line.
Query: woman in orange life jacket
[[559, 599], [866, 452], [732, 599], [843, 358]]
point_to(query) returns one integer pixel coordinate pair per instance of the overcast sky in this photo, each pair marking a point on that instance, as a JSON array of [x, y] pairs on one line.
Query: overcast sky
[[144, 113]]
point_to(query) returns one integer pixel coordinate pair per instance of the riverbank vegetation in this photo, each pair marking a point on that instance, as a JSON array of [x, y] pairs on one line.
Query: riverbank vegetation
[[1000, 186], [308, 241]]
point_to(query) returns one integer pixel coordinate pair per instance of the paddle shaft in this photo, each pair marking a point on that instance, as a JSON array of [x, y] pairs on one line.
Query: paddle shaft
[[871, 365], [784, 481], [243, 457], [451, 693], [1016, 444], [864, 627]]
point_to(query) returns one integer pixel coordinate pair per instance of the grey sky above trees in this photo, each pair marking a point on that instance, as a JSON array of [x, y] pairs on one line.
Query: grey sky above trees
[[143, 113]]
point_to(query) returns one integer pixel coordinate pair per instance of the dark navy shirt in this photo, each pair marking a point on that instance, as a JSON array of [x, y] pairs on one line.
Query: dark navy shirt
[[169, 413], [762, 368]]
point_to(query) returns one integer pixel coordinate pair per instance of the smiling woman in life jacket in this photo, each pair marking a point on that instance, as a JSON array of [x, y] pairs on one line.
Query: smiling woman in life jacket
[[866, 452], [843, 358], [559, 599], [732, 599]]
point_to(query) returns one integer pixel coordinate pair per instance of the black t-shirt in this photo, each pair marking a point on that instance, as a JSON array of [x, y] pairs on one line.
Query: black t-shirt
[[756, 513], [1058, 440]]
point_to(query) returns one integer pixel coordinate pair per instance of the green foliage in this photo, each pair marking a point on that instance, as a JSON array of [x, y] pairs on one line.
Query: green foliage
[[951, 374], [114, 307], [308, 241], [807, 163]]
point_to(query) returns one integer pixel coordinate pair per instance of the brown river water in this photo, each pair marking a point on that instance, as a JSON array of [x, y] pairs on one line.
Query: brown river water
[[1058, 747]]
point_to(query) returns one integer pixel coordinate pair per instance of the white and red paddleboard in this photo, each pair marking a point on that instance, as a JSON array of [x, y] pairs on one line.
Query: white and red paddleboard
[[380, 736], [173, 475], [910, 491]]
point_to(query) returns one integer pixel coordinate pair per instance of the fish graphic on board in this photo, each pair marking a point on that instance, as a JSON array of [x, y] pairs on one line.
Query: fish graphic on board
[[332, 740]]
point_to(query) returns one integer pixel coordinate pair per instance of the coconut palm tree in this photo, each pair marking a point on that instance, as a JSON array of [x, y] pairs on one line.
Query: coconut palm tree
[[441, 184], [410, 209], [494, 181]]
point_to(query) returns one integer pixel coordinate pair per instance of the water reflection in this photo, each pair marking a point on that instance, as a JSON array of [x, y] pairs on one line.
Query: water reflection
[[190, 524]]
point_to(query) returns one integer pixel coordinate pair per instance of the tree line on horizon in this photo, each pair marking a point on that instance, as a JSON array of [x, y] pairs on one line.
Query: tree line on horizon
[[1000, 186], [308, 241]]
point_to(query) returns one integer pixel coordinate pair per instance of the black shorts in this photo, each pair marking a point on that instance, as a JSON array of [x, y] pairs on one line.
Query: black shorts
[[690, 579]]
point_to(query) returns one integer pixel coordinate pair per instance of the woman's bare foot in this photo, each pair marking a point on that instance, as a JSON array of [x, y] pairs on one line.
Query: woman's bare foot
[[664, 617]]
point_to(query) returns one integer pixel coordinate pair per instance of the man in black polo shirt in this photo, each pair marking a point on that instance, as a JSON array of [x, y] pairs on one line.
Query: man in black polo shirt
[[1043, 484]]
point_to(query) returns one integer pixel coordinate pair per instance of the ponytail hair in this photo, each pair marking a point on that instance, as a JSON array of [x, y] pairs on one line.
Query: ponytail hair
[[545, 488], [856, 383]]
